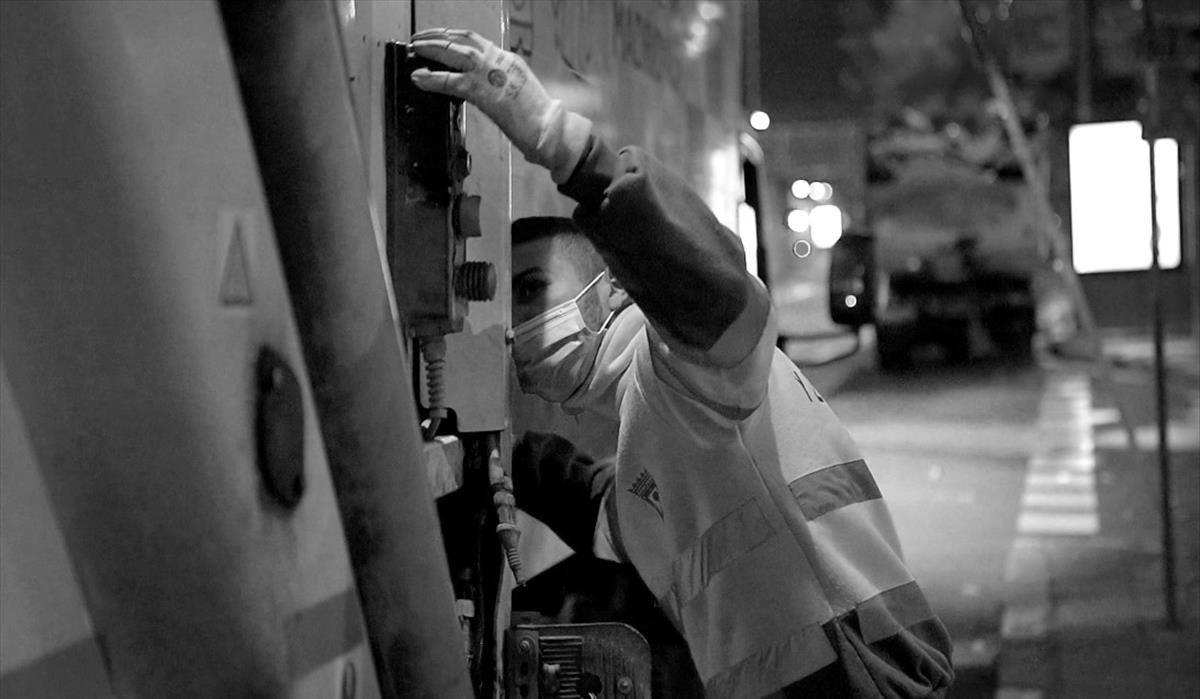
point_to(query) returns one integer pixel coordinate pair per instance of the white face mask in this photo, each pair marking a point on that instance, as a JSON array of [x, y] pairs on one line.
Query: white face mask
[[555, 350]]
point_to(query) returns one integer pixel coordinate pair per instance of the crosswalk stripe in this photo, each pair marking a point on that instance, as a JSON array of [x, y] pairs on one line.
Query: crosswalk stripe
[[1079, 500], [1059, 523]]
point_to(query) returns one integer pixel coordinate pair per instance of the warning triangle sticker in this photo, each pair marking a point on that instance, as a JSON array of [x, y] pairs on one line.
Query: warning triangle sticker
[[235, 275]]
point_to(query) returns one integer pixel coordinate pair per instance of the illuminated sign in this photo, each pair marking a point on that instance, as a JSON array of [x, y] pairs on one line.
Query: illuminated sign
[[1110, 198]]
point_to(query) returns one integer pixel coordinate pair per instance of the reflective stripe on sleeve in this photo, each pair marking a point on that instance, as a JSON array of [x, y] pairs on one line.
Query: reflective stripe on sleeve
[[834, 487], [775, 666], [887, 613], [76, 670]]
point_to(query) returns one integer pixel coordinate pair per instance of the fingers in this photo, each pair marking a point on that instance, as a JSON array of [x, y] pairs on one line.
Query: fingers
[[432, 33], [455, 56], [463, 37], [442, 82]]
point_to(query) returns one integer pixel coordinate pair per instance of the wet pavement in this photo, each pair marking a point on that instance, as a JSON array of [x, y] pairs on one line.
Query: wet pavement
[[1032, 524]]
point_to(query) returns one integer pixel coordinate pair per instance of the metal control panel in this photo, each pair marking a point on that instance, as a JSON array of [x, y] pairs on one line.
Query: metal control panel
[[577, 660], [429, 218]]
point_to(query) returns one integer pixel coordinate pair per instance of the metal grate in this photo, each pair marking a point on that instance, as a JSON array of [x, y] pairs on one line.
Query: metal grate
[[567, 653]]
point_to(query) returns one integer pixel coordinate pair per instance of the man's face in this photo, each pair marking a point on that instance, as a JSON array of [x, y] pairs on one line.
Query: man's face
[[549, 271], [543, 277]]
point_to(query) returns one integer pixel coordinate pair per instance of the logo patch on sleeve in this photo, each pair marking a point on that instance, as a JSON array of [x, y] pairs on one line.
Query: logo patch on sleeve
[[645, 488]]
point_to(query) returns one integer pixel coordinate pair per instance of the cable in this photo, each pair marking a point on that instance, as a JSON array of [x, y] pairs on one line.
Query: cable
[[433, 350]]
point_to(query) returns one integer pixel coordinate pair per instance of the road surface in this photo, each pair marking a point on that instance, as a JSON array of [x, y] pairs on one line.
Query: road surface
[[949, 447]]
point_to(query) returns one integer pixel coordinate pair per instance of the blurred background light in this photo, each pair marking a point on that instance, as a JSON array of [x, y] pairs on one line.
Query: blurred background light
[[798, 220], [759, 120], [801, 189], [821, 191], [748, 232], [710, 10], [826, 223]]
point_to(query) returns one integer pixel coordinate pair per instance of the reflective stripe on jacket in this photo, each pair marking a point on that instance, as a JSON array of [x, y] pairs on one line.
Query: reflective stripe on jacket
[[766, 539]]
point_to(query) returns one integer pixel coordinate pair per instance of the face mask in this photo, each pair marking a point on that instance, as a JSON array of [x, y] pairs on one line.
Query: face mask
[[555, 350]]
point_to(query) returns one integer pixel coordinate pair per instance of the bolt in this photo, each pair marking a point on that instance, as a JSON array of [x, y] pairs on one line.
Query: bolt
[[624, 685], [475, 281]]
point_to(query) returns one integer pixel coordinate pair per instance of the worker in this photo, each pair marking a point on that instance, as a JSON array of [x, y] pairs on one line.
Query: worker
[[737, 495], [563, 466]]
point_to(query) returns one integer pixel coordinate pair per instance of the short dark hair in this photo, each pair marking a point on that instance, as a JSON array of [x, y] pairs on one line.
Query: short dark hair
[[577, 246], [531, 228]]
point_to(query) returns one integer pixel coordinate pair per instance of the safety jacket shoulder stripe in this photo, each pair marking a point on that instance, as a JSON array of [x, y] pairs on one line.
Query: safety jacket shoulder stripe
[[776, 666], [721, 544], [834, 487]]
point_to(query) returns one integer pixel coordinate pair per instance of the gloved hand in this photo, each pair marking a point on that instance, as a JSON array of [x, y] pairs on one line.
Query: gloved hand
[[503, 87]]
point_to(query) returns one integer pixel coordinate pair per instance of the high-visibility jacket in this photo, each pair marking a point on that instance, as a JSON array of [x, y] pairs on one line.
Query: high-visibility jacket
[[739, 497]]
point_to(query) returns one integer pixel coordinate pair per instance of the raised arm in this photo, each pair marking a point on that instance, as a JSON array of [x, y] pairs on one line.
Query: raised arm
[[684, 269]]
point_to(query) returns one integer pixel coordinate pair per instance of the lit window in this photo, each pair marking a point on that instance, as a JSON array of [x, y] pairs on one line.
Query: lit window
[[1110, 198]]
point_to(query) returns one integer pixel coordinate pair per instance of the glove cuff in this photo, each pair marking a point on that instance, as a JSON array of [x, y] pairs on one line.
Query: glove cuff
[[561, 141]]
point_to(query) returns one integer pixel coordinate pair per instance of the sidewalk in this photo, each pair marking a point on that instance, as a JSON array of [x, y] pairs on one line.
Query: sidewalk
[[1084, 613], [1181, 354]]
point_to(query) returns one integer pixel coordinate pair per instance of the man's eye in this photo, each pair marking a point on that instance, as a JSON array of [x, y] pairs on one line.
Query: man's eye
[[529, 289]]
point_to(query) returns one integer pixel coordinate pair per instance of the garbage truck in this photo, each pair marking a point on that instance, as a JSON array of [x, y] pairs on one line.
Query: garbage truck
[[944, 267]]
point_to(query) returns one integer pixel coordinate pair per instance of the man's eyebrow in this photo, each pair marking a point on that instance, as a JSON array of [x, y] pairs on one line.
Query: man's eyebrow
[[528, 272]]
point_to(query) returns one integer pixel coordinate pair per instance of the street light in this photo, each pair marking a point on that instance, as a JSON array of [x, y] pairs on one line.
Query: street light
[[801, 189], [759, 120], [798, 220], [821, 191]]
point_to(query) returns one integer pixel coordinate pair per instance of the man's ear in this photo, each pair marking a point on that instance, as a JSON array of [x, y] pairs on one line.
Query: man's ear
[[617, 297]]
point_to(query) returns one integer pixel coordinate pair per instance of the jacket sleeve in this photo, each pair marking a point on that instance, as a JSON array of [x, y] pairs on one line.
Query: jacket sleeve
[[561, 486], [685, 270]]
